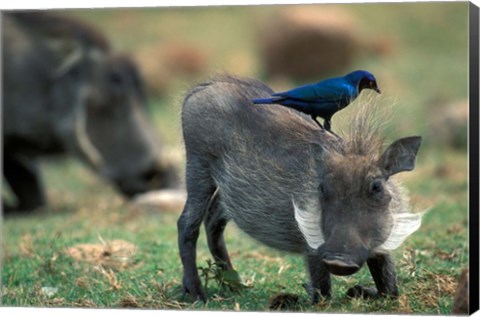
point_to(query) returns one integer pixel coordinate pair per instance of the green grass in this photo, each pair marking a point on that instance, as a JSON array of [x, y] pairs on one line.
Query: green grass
[[35, 255], [428, 64]]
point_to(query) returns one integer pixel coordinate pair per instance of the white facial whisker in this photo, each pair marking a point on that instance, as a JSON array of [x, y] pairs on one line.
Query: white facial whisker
[[404, 224]]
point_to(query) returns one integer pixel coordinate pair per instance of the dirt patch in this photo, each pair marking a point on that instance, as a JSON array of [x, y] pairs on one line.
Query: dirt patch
[[115, 254]]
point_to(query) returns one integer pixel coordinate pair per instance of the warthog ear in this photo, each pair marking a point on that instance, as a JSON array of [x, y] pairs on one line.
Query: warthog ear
[[400, 155]]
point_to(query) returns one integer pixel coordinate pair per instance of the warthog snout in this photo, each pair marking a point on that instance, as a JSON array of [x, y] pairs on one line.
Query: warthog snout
[[339, 264], [152, 178]]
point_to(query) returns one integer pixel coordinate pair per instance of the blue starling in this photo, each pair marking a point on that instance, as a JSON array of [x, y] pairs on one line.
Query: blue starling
[[324, 98]]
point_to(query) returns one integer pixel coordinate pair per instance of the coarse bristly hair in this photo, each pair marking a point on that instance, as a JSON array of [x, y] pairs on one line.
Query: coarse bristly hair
[[366, 135]]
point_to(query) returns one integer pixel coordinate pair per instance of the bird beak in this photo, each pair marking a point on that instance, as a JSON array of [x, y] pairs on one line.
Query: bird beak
[[377, 90]]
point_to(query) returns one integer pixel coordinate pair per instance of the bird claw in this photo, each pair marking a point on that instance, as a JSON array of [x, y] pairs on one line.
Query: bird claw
[[336, 135]]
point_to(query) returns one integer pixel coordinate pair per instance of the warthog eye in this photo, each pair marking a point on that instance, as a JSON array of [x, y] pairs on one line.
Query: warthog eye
[[116, 78], [376, 186]]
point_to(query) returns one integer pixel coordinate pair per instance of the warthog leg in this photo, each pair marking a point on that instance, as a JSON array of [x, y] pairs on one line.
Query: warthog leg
[[200, 188], [215, 223], [320, 278], [24, 179], [383, 272]]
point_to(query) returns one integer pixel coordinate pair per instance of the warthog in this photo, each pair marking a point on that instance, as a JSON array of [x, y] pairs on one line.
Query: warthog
[[291, 186], [64, 91]]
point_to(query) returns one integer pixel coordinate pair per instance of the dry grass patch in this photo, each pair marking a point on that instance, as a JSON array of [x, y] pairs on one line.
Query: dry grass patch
[[114, 254]]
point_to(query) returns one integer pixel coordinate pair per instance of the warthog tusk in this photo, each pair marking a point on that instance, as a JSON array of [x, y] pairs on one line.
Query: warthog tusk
[[86, 147], [73, 56]]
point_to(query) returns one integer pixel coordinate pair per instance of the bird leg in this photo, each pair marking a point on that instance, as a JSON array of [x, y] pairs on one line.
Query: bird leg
[[315, 119], [327, 124], [328, 127]]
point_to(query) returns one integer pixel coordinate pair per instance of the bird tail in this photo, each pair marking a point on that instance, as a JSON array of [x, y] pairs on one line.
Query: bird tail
[[264, 100]]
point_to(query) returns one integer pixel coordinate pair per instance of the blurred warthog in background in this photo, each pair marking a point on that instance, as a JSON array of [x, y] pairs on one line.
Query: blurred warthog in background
[[66, 92]]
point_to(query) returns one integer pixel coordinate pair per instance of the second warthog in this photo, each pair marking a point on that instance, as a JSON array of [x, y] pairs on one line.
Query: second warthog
[[66, 92], [291, 186]]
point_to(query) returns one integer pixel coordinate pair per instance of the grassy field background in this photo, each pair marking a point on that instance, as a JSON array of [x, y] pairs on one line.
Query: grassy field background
[[425, 70]]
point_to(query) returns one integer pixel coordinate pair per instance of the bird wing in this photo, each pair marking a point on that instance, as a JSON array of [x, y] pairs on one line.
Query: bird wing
[[264, 100], [334, 89]]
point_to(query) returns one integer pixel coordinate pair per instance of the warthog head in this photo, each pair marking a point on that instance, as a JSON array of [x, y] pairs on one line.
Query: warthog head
[[112, 131]]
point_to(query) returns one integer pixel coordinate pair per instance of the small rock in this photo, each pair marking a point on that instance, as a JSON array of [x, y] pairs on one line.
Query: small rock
[[49, 291]]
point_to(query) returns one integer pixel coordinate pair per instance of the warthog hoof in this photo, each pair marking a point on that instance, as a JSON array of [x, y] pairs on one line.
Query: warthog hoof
[[195, 291]]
